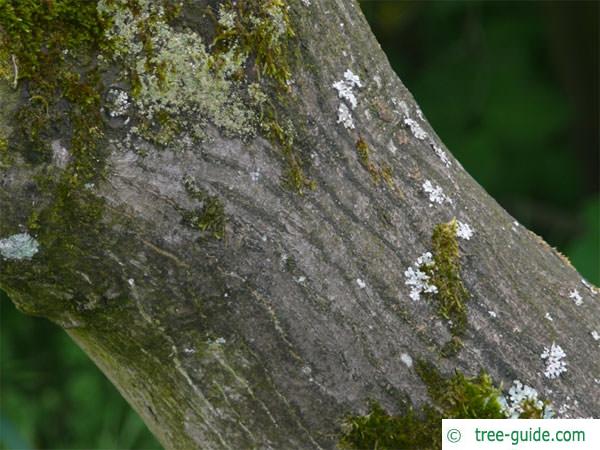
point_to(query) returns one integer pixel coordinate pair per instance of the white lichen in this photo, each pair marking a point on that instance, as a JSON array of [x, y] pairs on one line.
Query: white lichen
[[576, 297], [352, 79], [406, 359], [401, 108], [417, 279], [377, 80], [255, 176], [19, 246], [345, 89], [345, 116], [555, 364], [441, 154], [518, 396], [464, 230], [419, 113], [416, 129], [436, 193], [419, 133], [117, 102]]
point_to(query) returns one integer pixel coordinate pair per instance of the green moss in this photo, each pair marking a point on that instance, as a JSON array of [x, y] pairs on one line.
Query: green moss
[[452, 347], [294, 176], [44, 41], [362, 148], [48, 40], [532, 410], [461, 397], [455, 397], [379, 430], [8, 104], [261, 32], [53, 45], [258, 28], [209, 219], [378, 173], [451, 296], [5, 159]]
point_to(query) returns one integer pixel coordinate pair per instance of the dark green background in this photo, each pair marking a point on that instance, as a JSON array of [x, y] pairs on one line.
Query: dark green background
[[511, 88]]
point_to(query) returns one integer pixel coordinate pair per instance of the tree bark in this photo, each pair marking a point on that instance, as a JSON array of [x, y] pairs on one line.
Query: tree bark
[[268, 331]]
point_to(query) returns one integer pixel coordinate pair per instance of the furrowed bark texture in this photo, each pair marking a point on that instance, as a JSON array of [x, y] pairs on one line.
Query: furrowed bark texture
[[299, 316]]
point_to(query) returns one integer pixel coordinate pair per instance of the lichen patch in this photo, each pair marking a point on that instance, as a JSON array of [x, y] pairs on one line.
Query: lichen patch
[[345, 89], [464, 230], [420, 134], [406, 359], [417, 279], [19, 246], [435, 193], [576, 297], [523, 402], [178, 86], [555, 361]]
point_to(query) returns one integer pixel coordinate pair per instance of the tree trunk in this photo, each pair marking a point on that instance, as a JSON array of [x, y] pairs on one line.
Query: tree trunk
[[243, 285]]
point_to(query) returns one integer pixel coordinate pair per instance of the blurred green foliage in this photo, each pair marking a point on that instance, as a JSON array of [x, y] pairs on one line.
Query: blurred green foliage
[[510, 87], [53, 397]]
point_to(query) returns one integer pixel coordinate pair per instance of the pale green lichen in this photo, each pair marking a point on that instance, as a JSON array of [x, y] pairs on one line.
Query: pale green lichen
[[227, 17], [19, 246], [181, 83], [178, 85]]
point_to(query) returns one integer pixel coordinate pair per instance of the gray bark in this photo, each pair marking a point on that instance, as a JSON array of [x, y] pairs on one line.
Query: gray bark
[[300, 315]]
